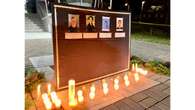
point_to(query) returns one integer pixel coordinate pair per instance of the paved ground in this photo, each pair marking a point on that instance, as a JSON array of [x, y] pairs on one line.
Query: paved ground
[[154, 98], [40, 46], [150, 51]]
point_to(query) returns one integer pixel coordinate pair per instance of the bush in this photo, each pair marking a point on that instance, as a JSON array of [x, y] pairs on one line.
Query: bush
[[155, 66]]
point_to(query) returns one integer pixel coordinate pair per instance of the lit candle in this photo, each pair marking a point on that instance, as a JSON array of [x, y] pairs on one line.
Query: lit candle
[[136, 76], [145, 72], [126, 79], [80, 96], [55, 99], [71, 92], [38, 91], [48, 105], [105, 87], [54, 96], [92, 88], [58, 103], [92, 92], [49, 88], [116, 83], [91, 95], [136, 67], [139, 70], [133, 67], [46, 101]]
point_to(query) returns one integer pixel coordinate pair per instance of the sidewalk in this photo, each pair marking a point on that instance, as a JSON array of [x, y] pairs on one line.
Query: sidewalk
[[154, 98]]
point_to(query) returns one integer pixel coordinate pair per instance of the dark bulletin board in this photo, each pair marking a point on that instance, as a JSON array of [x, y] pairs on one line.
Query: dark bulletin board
[[88, 59]]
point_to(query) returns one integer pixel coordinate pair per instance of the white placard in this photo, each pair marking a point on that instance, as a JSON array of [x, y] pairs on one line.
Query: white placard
[[105, 35], [119, 34], [90, 35], [73, 35]]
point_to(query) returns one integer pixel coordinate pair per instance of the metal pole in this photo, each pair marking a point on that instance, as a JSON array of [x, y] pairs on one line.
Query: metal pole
[[46, 7]]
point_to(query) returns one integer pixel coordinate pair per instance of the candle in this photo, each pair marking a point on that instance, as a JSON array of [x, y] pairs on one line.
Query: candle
[[92, 92], [71, 92], [136, 76], [145, 72], [105, 90], [105, 87], [116, 83], [126, 79], [55, 99], [136, 67], [48, 105], [80, 96], [54, 96], [92, 88], [133, 67], [58, 103], [46, 101], [49, 88], [92, 95], [38, 91]]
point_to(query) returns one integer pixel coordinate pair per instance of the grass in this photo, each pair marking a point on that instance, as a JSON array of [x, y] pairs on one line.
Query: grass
[[155, 66], [147, 37]]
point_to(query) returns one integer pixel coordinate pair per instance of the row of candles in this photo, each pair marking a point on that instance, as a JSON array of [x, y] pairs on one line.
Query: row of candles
[[51, 98]]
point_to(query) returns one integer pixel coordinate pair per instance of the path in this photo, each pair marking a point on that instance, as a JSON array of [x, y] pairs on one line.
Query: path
[[150, 51]]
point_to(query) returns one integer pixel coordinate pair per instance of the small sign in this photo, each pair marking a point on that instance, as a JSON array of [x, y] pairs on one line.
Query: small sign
[[119, 34], [90, 35], [105, 35], [73, 35]]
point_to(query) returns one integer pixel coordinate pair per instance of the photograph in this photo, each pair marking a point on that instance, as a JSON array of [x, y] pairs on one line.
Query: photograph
[[105, 23], [73, 23], [90, 23], [119, 24]]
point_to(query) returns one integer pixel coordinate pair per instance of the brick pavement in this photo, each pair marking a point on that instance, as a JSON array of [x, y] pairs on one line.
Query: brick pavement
[[154, 98]]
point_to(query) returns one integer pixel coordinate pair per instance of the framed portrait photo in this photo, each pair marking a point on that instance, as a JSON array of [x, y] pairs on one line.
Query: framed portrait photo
[[105, 23], [73, 23], [90, 23], [119, 24]]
